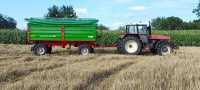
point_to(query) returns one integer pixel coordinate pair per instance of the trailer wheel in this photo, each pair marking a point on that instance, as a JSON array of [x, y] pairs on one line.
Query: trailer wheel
[[164, 49], [49, 50], [84, 50], [92, 50], [131, 45], [40, 49]]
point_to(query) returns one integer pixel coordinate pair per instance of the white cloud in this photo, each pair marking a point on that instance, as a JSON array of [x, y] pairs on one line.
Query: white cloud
[[81, 11], [137, 8], [122, 1]]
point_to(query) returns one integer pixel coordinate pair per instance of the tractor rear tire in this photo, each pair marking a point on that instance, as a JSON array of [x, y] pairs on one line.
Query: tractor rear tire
[[131, 45]]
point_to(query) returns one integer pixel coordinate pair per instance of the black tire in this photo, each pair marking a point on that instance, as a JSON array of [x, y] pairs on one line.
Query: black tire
[[49, 50], [127, 48], [154, 51], [84, 50], [164, 48], [120, 45], [40, 49], [92, 50], [33, 47]]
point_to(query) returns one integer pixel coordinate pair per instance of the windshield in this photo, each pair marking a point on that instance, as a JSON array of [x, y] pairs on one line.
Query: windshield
[[132, 29], [137, 29]]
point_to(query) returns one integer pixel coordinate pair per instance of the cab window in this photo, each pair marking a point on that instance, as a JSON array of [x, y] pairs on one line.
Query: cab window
[[132, 29], [142, 29]]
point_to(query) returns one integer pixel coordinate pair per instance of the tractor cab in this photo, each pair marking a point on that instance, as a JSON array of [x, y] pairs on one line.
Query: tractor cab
[[141, 29]]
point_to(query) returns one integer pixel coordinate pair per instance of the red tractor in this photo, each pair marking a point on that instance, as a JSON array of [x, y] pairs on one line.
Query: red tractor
[[138, 38]]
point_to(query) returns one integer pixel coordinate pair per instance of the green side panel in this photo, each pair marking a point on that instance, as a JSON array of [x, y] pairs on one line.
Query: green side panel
[[76, 30]]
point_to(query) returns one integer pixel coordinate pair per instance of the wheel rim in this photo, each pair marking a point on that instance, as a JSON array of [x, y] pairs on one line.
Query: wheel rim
[[166, 50], [131, 46], [41, 51], [84, 51]]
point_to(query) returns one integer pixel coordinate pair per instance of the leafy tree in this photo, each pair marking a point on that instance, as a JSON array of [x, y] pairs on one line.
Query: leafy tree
[[7, 22], [102, 27], [54, 12], [61, 12], [174, 23], [169, 23], [197, 10], [158, 23], [68, 12]]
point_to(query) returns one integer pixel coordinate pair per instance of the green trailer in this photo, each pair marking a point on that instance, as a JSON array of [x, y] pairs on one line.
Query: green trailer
[[48, 32]]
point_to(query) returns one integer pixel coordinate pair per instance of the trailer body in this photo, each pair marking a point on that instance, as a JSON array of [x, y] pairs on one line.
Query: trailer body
[[62, 29]]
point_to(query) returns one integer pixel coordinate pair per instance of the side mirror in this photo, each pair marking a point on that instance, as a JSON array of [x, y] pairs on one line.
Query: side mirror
[[149, 29]]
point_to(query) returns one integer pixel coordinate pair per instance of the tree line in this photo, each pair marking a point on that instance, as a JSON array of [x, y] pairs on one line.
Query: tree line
[[174, 23]]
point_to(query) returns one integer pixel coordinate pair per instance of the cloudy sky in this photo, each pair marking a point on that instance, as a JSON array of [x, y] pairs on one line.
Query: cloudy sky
[[112, 13]]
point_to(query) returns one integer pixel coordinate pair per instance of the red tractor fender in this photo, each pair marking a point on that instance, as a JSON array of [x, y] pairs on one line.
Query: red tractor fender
[[158, 37]]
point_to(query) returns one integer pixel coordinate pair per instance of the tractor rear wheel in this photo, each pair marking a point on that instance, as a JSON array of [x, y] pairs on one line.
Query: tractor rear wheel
[[131, 45]]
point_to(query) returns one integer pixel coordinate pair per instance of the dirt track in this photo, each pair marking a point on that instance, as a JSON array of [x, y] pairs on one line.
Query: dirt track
[[105, 70]]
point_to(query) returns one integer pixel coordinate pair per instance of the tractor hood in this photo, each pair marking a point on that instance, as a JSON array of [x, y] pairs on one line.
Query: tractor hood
[[159, 37]]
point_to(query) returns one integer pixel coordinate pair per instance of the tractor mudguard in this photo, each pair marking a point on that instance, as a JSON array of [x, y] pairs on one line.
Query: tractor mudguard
[[158, 43]]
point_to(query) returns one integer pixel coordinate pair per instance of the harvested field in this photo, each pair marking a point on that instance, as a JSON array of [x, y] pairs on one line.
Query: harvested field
[[105, 70]]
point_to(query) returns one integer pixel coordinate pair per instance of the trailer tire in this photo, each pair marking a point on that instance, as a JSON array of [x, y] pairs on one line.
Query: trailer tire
[[33, 47], [131, 45], [92, 50], [40, 49], [49, 50], [84, 50]]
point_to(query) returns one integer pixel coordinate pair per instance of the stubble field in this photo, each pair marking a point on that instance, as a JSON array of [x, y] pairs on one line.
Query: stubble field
[[105, 70]]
